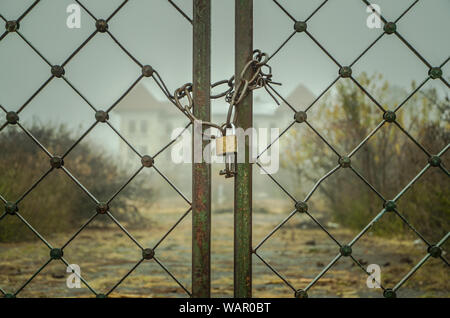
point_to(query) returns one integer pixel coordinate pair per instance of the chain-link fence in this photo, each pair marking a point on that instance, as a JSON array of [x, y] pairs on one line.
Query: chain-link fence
[[386, 117], [345, 161]]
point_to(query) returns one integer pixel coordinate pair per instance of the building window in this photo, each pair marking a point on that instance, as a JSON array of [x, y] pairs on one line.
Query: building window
[[132, 126], [131, 153], [144, 126]]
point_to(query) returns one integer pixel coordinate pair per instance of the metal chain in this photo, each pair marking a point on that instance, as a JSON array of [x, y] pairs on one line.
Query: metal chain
[[233, 94], [258, 80]]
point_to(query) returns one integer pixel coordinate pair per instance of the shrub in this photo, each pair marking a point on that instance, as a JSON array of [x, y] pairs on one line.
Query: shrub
[[54, 206], [389, 160]]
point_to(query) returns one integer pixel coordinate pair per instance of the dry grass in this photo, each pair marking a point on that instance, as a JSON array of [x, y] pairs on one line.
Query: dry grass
[[298, 251]]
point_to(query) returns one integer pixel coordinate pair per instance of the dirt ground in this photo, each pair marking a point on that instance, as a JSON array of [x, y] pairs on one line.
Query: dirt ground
[[298, 251]]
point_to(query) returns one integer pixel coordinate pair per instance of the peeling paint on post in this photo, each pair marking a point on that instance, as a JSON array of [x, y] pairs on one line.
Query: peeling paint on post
[[243, 179], [201, 172]]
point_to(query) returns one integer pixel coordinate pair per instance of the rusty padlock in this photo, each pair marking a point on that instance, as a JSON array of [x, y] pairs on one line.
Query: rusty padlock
[[226, 145]]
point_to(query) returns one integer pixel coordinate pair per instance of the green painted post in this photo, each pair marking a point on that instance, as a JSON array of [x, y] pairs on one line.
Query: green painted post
[[201, 172], [243, 179]]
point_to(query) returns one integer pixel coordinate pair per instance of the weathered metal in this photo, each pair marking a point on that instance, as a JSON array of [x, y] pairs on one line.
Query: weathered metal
[[255, 74], [201, 172], [243, 179]]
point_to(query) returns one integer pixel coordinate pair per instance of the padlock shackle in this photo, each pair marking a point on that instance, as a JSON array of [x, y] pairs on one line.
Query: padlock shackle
[[223, 129]]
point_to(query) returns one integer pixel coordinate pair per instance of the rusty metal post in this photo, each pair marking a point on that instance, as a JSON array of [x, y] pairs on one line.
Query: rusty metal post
[[201, 172], [243, 179]]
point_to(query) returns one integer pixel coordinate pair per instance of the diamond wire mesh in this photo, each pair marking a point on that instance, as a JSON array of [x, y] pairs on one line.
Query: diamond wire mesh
[[147, 161], [57, 162], [345, 250]]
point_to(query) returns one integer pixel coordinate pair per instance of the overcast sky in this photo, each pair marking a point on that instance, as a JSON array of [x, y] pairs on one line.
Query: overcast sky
[[158, 35]]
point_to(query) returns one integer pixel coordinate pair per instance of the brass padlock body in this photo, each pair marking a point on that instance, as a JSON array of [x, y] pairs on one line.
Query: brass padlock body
[[226, 145]]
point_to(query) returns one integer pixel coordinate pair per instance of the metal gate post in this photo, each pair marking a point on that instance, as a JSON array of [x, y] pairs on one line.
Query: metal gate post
[[201, 172], [243, 179]]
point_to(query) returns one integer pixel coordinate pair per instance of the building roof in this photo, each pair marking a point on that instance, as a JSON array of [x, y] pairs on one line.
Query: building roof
[[300, 97], [140, 99]]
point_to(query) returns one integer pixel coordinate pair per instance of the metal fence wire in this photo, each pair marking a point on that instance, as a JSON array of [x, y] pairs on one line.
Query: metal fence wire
[[387, 117], [56, 161]]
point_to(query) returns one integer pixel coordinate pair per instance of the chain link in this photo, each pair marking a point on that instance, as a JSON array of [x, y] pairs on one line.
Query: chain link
[[252, 77]]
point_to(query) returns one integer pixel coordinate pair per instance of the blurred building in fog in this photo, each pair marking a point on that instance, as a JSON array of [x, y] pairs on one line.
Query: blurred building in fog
[[147, 123]]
